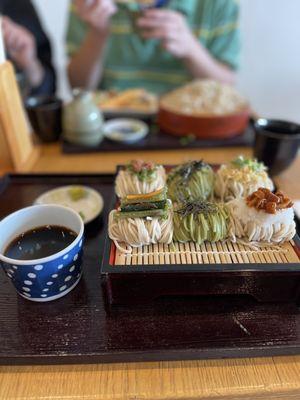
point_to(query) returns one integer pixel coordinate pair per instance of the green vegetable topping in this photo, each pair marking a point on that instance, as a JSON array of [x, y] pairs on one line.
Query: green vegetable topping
[[145, 171], [77, 193], [251, 163], [186, 140], [81, 213]]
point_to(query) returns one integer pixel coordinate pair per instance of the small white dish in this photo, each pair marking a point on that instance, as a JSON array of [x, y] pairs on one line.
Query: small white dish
[[87, 202], [125, 130]]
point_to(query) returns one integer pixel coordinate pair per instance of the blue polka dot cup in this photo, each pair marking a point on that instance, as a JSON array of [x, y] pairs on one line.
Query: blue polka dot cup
[[48, 278]]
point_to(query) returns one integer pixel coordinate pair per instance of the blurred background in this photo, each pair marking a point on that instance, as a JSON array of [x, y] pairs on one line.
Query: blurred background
[[270, 70]]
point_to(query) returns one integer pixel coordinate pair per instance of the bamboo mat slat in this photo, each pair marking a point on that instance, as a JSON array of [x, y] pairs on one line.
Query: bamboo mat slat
[[207, 253]]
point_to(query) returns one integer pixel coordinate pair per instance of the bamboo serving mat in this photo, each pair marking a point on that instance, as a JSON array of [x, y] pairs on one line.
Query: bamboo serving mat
[[208, 253]]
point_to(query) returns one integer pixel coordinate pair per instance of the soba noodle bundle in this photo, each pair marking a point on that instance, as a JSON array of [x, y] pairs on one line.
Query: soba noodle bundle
[[140, 177], [263, 217], [141, 220], [191, 182], [200, 221], [240, 178]]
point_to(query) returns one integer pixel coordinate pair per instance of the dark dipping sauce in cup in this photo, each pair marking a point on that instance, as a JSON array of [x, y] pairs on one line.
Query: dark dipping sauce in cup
[[40, 242]]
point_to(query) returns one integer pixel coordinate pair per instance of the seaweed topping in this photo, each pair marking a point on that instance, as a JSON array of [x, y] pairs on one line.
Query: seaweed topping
[[251, 163], [197, 207], [156, 205], [187, 170], [145, 171]]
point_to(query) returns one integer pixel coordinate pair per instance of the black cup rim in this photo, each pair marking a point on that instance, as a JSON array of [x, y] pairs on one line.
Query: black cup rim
[[260, 129], [36, 103]]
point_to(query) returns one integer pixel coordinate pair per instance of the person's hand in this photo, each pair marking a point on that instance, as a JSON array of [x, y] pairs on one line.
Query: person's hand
[[21, 48], [96, 13], [20, 44], [171, 28]]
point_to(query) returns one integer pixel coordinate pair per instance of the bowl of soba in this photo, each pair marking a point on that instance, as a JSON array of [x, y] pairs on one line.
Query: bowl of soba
[[205, 109]]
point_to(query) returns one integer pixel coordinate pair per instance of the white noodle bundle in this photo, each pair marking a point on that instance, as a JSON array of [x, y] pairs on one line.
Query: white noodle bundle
[[232, 183], [251, 225], [128, 183], [137, 232], [204, 98]]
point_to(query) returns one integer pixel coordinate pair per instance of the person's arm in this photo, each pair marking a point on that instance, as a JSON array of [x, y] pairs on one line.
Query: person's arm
[[177, 38], [202, 64], [29, 46], [85, 67]]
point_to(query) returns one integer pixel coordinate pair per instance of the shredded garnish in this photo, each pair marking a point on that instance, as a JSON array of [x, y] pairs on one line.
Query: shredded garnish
[[251, 164], [197, 207]]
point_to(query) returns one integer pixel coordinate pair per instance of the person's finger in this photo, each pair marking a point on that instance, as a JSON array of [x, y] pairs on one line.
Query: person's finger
[[170, 45], [163, 32], [160, 14], [99, 12], [9, 39], [101, 16], [145, 21], [148, 23], [107, 7]]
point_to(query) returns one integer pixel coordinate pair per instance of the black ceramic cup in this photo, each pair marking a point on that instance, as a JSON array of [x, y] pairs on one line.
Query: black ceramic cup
[[45, 115], [276, 143]]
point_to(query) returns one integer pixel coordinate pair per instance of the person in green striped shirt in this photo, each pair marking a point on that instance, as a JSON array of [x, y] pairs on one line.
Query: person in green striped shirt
[[118, 46]]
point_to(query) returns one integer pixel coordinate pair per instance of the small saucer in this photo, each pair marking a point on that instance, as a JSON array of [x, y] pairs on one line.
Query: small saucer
[[125, 130], [87, 202]]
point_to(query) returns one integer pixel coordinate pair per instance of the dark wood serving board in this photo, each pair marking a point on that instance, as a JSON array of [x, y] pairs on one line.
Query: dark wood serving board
[[157, 140], [76, 328]]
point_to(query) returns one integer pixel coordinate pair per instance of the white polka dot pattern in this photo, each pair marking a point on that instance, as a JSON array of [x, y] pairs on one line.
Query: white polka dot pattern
[[31, 275], [72, 269], [68, 278], [61, 289], [28, 283], [38, 267]]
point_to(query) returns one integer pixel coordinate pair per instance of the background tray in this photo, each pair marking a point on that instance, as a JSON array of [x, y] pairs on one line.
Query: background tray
[[162, 141], [76, 329]]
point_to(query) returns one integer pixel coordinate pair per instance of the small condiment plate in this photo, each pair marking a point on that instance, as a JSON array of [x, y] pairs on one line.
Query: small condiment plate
[[87, 202], [125, 130]]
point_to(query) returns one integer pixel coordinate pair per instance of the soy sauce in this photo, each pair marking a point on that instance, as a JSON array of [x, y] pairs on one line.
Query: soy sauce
[[40, 242]]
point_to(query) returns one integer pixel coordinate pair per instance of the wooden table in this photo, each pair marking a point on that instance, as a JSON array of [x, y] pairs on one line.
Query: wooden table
[[245, 379]]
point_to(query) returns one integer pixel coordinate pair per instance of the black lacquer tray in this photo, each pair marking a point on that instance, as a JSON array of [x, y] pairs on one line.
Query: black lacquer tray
[[77, 329], [157, 140]]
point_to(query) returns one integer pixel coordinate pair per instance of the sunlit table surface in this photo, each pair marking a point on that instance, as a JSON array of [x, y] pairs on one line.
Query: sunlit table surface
[[238, 379]]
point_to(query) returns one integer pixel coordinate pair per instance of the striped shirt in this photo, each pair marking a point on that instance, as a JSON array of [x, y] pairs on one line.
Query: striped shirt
[[131, 61]]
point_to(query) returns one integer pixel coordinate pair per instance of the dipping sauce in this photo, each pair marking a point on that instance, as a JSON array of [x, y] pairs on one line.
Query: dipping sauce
[[40, 242]]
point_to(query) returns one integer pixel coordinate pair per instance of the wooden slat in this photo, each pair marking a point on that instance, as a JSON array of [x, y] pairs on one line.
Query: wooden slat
[[207, 253]]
